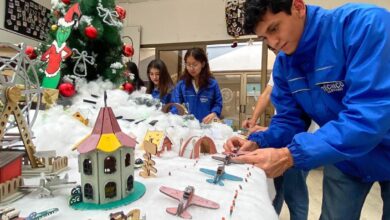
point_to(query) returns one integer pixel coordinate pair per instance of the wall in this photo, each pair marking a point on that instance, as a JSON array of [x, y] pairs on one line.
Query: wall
[[11, 37], [174, 21], [333, 3], [180, 21]]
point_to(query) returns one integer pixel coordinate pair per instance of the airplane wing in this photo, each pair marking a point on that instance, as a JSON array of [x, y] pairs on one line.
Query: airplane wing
[[208, 171], [174, 193], [231, 177], [202, 202], [218, 158]]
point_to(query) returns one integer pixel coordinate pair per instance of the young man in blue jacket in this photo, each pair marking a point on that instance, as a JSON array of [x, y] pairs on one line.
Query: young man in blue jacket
[[333, 67]]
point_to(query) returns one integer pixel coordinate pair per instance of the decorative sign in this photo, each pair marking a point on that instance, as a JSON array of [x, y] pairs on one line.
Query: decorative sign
[[235, 17], [27, 17]]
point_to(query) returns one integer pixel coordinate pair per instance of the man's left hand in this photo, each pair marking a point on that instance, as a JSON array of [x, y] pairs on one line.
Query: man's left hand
[[274, 161]]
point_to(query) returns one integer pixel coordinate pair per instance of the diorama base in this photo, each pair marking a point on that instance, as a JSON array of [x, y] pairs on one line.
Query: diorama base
[[12, 198], [139, 191]]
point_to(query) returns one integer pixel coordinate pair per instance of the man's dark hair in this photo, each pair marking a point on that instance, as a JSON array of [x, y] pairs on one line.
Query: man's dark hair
[[256, 9]]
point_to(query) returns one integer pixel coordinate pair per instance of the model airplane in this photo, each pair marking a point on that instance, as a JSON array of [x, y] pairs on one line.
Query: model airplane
[[186, 198], [47, 184], [227, 159], [219, 175]]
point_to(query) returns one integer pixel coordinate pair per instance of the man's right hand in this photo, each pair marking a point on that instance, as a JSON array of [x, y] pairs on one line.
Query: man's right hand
[[248, 123], [237, 143]]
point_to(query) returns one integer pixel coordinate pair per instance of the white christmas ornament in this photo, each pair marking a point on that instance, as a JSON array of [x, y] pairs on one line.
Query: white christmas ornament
[[109, 17], [80, 68]]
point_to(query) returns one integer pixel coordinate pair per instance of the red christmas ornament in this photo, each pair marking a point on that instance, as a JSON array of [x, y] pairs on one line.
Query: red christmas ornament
[[128, 87], [67, 89], [128, 50], [121, 12], [91, 32], [30, 52], [66, 2]]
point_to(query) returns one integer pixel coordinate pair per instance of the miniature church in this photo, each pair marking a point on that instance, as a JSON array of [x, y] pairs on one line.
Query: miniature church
[[106, 161]]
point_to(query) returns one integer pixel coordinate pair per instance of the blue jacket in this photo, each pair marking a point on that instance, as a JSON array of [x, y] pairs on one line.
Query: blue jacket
[[340, 77], [200, 104], [166, 99]]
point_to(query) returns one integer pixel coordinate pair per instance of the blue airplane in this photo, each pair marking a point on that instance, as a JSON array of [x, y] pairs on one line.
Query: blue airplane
[[219, 175]]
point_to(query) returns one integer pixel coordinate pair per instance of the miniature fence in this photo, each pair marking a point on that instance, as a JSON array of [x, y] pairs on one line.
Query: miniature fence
[[10, 187]]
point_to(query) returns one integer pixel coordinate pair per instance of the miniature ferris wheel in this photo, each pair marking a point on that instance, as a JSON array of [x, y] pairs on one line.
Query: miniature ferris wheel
[[20, 97]]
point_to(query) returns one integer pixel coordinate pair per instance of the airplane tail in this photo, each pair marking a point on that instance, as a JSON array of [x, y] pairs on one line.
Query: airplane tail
[[184, 214]]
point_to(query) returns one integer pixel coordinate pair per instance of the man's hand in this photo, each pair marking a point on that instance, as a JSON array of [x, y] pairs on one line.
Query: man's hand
[[273, 161], [209, 118], [248, 123], [237, 143]]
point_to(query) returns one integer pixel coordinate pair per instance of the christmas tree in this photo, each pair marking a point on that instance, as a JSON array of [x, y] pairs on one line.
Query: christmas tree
[[84, 41]]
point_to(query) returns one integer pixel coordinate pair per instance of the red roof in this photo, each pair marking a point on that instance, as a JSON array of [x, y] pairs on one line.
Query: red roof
[[106, 135]]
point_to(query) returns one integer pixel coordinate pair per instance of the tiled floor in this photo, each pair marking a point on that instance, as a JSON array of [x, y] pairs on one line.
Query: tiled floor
[[372, 208]]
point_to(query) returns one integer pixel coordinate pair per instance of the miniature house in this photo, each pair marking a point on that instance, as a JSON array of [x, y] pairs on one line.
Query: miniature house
[[10, 173], [195, 145], [159, 139], [106, 161]]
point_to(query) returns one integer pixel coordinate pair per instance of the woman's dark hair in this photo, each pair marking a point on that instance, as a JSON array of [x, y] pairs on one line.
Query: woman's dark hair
[[254, 11], [137, 81], [205, 74], [165, 81]]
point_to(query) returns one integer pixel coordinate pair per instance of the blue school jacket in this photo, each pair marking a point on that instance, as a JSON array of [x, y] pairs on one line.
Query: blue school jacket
[[202, 103], [166, 99], [340, 77]]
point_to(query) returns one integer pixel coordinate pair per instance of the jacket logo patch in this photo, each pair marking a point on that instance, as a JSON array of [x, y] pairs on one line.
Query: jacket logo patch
[[204, 99], [330, 87]]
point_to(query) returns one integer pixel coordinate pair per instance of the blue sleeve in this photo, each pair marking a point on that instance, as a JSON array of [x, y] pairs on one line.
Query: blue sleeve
[[217, 106], [366, 118], [289, 120], [168, 97], [177, 96]]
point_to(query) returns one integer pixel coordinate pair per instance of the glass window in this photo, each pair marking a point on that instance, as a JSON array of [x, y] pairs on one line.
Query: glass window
[[87, 167], [110, 190], [88, 191], [127, 160], [109, 165], [246, 56], [130, 183]]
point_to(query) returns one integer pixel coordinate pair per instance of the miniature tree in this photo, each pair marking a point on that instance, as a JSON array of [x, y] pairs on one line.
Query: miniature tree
[[85, 35]]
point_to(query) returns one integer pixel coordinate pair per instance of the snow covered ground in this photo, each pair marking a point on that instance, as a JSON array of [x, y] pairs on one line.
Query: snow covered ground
[[57, 129]]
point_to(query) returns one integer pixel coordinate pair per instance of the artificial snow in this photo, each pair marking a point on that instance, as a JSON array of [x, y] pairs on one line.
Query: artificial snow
[[56, 129]]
